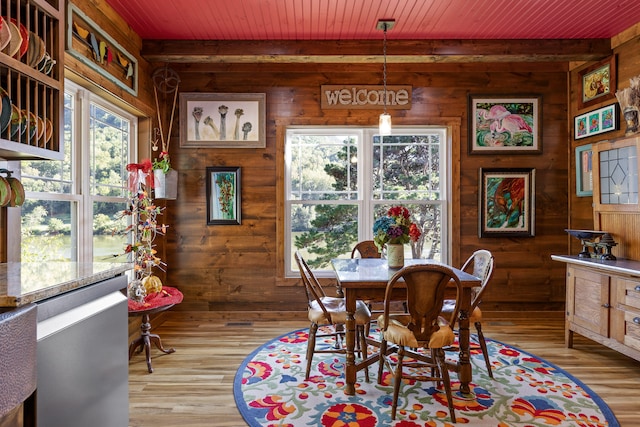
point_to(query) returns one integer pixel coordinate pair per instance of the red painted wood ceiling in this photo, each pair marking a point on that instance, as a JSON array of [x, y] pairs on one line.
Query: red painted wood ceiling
[[356, 19]]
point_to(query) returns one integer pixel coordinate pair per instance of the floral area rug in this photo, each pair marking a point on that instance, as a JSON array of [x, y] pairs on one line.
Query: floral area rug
[[270, 391]]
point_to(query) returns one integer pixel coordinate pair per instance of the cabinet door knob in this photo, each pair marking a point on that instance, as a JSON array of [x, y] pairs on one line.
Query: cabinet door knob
[[636, 320], [607, 305], [637, 288]]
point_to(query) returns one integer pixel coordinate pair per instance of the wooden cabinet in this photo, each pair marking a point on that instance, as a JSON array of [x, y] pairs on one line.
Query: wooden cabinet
[[603, 302], [588, 301], [32, 79]]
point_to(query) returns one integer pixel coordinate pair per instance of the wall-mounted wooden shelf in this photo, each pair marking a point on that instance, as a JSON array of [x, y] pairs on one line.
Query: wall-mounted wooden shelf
[[33, 80]]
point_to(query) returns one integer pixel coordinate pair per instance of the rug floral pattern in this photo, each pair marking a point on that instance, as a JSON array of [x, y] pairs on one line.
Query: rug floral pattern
[[270, 391]]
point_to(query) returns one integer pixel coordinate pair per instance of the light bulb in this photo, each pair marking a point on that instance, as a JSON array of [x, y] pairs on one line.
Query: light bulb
[[385, 124]]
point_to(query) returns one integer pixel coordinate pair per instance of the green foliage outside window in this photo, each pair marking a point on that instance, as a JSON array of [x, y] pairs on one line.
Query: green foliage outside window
[[406, 170]]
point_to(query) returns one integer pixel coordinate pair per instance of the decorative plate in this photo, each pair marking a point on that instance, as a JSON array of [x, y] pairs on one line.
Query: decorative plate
[[5, 111], [18, 123], [24, 33], [5, 33], [40, 128], [35, 54], [32, 125], [48, 130], [16, 39]]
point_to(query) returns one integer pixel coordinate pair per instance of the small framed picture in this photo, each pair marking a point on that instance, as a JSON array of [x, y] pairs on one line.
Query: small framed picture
[[598, 82], [504, 124], [222, 120], [594, 122], [507, 202], [584, 171], [223, 195]]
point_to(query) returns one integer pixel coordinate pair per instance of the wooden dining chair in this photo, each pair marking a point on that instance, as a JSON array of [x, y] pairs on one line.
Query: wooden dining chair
[[329, 311], [421, 328], [368, 249], [479, 264], [365, 249]]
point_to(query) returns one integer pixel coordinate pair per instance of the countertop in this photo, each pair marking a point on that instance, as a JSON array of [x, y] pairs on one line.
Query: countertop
[[622, 266], [22, 283]]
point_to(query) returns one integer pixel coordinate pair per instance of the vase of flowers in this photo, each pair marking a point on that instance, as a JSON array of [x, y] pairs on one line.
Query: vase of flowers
[[392, 231]]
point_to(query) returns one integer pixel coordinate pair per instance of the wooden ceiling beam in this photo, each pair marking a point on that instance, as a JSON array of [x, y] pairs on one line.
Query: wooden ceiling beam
[[367, 51]]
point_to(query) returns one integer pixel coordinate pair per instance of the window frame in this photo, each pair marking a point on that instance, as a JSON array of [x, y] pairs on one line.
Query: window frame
[[80, 194], [365, 202]]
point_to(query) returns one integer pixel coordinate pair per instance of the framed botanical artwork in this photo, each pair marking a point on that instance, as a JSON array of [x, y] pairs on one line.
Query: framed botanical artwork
[[584, 171], [223, 195], [602, 120], [222, 120], [597, 82], [504, 124], [507, 202]]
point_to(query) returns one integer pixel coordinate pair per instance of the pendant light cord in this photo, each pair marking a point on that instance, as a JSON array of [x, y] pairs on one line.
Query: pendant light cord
[[384, 67]]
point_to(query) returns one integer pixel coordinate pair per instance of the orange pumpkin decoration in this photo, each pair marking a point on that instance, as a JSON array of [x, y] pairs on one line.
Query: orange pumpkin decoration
[[152, 284]]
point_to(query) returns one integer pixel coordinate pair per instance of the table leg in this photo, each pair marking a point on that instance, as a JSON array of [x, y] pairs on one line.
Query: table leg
[[145, 340], [350, 338], [464, 361]]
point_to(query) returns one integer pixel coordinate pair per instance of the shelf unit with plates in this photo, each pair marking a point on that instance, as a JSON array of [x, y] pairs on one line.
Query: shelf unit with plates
[[31, 79]]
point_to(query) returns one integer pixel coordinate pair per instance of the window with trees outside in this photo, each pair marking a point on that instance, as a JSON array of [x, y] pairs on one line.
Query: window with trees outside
[[72, 208], [338, 181]]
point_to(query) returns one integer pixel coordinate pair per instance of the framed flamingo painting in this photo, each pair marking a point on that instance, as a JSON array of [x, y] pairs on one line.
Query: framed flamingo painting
[[507, 198], [222, 120], [505, 124]]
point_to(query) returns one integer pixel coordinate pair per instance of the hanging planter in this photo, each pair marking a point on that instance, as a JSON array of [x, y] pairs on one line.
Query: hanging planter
[[166, 184], [166, 81]]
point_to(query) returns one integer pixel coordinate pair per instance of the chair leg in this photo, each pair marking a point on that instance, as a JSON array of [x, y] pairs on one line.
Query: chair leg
[[311, 344], [438, 354], [362, 346], [381, 359], [483, 346], [397, 380]]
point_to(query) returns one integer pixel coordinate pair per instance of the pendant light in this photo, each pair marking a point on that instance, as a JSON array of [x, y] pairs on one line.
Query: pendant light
[[385, 118]]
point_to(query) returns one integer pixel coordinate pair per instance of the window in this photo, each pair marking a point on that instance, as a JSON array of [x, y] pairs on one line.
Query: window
[[99, 141], [339, 180]]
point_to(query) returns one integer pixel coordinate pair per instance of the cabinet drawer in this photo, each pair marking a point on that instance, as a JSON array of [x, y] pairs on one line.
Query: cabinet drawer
[[628, 292], [632, 329]]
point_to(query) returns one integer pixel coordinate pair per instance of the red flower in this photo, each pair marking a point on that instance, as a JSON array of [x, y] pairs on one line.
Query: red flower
[[348, 415], [396, 211], [414, 232]]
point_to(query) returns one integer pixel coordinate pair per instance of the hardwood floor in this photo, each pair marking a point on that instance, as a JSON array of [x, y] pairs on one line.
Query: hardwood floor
[[193, 387]]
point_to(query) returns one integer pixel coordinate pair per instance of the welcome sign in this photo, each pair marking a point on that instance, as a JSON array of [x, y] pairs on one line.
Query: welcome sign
[[335, 97]]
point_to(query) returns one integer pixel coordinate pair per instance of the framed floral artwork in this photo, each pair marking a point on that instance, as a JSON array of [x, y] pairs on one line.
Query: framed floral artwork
[[597, 82], [222, 120], [507, 202], [504, 124], [594, 122], [223, 195]]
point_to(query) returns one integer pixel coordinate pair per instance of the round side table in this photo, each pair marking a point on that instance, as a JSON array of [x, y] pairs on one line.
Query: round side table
[[155, 303]]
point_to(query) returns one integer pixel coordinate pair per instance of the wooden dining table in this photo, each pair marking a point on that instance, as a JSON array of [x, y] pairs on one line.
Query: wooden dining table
[[366, 279]]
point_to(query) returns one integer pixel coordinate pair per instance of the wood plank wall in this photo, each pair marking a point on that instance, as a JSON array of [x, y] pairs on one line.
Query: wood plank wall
[[237, 267], [626, 47]]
